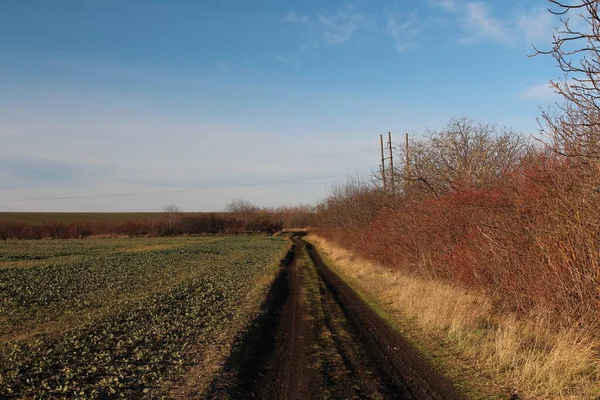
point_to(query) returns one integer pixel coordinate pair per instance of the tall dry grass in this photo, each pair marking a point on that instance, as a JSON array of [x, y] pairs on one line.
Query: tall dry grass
[[524, 353]]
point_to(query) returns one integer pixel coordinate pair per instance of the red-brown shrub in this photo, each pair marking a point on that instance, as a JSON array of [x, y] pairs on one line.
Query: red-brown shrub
[[258, 221], [531, 240]]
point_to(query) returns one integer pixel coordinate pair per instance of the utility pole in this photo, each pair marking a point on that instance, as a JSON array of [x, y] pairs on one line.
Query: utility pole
[[391, 162], [382, 162], [407, 162]]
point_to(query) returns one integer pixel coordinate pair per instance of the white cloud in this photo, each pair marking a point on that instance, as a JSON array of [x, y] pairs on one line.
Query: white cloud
[[286, 60], [542, 91], [296, 18], [340, 25], [536, 25], [403, 33], [479, 23], [445, 5], [526, 27]]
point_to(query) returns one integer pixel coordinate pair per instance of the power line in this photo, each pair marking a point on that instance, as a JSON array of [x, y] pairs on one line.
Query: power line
[[181, 169], [176, 190]]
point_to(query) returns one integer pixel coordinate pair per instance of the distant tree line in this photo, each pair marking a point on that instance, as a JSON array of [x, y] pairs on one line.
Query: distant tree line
[[240, 217]]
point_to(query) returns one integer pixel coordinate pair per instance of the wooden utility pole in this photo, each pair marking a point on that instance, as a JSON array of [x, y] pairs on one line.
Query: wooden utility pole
[[407, 161], [382, 162], [391, 162]]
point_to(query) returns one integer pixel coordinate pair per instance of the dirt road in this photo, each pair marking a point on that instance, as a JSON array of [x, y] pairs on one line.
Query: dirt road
[[317, 339]]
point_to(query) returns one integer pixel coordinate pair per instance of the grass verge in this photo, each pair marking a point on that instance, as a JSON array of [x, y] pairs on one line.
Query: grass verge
[[487, 354]]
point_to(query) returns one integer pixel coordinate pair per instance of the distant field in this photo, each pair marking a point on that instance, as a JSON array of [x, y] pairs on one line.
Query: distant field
[[133, 317], [41, 217]]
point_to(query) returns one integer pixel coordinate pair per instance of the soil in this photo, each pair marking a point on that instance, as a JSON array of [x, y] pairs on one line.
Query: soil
[[316, 338]]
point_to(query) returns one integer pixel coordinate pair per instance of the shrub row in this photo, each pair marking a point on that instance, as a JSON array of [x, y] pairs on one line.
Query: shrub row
[[168, 224], [530, 238]]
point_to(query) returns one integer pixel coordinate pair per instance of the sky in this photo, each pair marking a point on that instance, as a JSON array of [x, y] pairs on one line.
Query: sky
[[130, 105]]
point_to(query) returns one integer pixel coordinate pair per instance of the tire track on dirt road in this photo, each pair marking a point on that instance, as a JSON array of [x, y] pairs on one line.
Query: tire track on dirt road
[[316, 338]]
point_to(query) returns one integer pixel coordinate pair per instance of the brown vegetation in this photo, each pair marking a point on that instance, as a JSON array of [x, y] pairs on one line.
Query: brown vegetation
[[494, 355], [572, 127], [527, 234], [485, 210], [172, 221], [501, 235], [502, 238]]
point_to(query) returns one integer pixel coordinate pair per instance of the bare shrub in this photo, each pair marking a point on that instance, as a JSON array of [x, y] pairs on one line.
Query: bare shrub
[[172, 217], [293, 217], [352, 204], [245, 219], [573, 127], [525, 229], [466, 153]]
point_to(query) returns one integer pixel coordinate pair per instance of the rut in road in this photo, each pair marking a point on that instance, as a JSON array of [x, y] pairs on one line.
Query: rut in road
[[316, 338]]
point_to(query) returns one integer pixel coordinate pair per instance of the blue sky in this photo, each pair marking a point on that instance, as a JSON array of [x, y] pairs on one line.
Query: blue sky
[[104, 97]]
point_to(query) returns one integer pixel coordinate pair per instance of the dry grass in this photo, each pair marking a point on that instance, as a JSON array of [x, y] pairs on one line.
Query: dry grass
[[525, 355]]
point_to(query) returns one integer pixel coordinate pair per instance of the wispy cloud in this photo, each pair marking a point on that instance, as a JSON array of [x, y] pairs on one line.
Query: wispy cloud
[[286, 60], [21, 171], [536, 25], [446, 5], [479, 23], [340, 25], [293, 17], [542, 91], [403, 32], [482, 24]]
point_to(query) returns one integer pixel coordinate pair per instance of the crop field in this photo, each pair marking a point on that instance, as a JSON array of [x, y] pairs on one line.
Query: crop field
[[109, 318]]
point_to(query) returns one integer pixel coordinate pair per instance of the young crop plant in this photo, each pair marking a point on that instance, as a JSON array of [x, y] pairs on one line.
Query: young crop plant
[[119, 321]]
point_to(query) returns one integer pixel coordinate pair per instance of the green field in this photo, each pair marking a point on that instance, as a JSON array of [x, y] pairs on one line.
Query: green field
[[124, 317], [41, 217]]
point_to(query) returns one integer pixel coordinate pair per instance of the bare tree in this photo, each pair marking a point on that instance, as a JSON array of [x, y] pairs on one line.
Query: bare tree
[[465, 153], [172, 215], [573, 127], [244, 212], [354, 203], [240, 206], [171, 209]]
